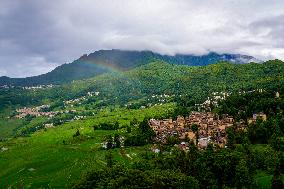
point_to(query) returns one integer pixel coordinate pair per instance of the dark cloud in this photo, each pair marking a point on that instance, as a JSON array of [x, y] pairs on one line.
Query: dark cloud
[[272, 28], [38, 35]]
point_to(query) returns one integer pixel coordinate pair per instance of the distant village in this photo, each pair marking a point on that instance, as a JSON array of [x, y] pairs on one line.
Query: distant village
[[216, 97], [211, 128], [38, 87], [36, 111], [41, 110], [28, 87], [79, 100], [7, 86]]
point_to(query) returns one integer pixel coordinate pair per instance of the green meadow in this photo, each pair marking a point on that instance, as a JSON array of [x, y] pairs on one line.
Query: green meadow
[[53, 158]]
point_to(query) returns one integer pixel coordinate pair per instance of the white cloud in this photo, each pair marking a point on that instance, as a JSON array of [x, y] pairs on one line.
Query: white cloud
[[22, 66], [3, 72], [64, 30]]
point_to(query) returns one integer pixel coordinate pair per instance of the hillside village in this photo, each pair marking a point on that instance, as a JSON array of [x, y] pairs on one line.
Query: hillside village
[[216, 97], [40, 110], [36, 111], [38, 87], [71, 102], [28, 87], [211, 128]]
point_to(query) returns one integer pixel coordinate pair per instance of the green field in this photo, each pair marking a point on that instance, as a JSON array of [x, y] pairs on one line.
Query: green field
[[8, 127], [44, 160], [263, 180]]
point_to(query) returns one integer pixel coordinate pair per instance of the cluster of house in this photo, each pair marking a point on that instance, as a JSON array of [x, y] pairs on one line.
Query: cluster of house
[[36, 111], [211, 128], [254, 118], [154, 100], [39, 111], [78, 100], [38, 87], [212, 101], [113, 144], [6, 86], [216, 97]]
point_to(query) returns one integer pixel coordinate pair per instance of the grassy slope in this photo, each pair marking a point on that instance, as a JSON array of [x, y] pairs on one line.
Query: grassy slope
[[9, 127], [57, 164]]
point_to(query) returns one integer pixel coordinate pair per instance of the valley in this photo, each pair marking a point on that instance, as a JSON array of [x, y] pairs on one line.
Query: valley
[[55, 137], [152, 94]]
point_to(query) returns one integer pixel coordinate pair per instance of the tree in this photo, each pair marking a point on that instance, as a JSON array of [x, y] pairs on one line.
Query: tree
[[134, 122], [194, 128], [109, 142], [77, 133], [243, 178], [117, 141], [230, 137], [271, 159], [171, 140], [146, 131], [109, 159], [128, 129], [276, 182], [116, 125], [192, 156], [277, 142], [95, 127]]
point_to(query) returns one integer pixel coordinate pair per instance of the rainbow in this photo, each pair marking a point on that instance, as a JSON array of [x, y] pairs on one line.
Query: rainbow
[[102, 66]]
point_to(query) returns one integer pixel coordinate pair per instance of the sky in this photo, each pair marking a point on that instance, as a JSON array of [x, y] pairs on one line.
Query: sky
[[38, 35]]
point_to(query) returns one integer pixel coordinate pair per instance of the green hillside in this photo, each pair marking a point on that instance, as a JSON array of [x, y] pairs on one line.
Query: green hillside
[[105, 61], [119, 104], [159, 78], [163, 78]]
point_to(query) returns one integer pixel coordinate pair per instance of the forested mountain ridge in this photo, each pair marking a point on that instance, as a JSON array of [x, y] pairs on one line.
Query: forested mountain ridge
[[104, 61], [160, 77]]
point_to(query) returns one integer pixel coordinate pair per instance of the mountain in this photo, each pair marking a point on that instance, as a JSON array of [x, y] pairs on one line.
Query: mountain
[[158, 77], [103, 61], [196, 81]]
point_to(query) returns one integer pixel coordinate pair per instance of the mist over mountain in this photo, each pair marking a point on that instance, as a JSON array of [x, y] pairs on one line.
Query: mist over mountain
[[104, 61]]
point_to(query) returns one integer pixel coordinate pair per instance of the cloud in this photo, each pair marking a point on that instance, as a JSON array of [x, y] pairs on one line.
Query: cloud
[[25, 66], [37, 35], [3, 72]]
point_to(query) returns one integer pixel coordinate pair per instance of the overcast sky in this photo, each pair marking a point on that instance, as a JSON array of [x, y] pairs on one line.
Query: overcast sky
[[38, 35]]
